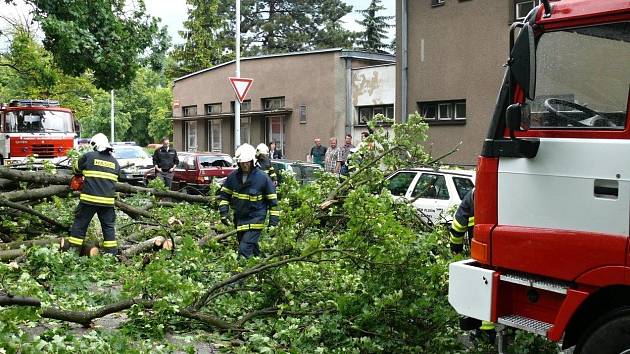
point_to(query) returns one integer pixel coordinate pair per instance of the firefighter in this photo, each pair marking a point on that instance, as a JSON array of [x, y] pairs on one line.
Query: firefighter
[[264, 163], [462, 224], [251, 193], [100, 171]]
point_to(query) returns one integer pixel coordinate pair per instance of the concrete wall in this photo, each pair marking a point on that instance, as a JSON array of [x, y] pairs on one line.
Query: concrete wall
[[456, 51]]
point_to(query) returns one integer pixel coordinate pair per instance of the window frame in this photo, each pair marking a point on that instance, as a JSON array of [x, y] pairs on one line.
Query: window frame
[[187, 134], [266, 100], [211, 141], [438, 118], [187, 110], [209, 106], [372, 110], [303, 110]]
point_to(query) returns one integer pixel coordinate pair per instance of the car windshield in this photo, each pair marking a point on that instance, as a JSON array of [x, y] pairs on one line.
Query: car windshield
[[399, 184], [215, 161], [130, 153], [38, 121]]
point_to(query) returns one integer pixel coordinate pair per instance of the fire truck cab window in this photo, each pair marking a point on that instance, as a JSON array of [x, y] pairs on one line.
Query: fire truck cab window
[[568, 95], [28, 121]]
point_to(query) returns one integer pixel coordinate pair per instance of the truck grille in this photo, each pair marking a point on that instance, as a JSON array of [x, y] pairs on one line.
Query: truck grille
[[44, 150]]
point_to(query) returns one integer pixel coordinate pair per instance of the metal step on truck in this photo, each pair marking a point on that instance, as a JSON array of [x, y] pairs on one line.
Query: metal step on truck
[[550, 251]]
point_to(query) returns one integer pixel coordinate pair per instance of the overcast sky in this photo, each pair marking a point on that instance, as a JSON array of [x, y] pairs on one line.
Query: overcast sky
[[174, 12]]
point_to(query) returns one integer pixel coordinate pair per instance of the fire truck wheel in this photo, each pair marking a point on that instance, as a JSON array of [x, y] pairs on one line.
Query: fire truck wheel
[[610, 337]]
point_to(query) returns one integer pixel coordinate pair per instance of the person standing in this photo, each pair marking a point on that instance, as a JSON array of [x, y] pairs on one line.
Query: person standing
[[318, 152], [264, 163], [100, 171], [250, 193], [273, 153], [165, 159], [331, 156], [342, 160]]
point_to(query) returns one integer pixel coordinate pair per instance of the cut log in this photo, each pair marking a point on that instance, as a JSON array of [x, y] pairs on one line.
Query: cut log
[[146, 246], [8, 255], [133, 212], [30, 243]]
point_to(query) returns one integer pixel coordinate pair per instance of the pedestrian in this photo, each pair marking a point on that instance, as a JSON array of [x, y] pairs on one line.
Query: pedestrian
[[342, 159], [100, 171], [264, 163], [273, 153], [462, 225], [165, 159], [331, 156], [251, 194], [318, 152]]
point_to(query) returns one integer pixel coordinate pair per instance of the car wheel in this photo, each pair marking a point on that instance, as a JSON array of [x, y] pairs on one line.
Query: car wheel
[[611, 336]]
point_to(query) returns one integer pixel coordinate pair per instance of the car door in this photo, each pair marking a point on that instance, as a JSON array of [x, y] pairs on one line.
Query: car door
[[431, 197]]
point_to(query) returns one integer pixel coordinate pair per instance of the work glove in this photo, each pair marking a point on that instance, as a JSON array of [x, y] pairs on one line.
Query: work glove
[[457, 248]]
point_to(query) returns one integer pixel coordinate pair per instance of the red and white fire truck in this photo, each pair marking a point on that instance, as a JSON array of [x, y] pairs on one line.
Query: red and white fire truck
[[39, 129], [551, 252]]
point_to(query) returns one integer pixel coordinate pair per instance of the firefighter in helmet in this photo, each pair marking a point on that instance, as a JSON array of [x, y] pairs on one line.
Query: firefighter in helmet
[[462, 224], [100, 171], [251, 193], [264, 163]]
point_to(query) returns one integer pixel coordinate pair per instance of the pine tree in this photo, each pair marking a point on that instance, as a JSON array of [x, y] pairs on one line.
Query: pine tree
[[375, 28]]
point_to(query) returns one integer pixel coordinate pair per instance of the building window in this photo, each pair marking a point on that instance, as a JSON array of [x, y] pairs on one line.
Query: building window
[[214, 137], [366, 113], [246, 106], [452, 111], [269, 104], [245, 130], [213, 108], [190, 132], [435, 3], [522, 8], [189, 111], [303, 114]]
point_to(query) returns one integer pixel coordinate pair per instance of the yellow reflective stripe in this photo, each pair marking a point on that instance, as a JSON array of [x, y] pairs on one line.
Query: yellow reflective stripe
[[471, 221], [110, 244], [227, 190], [274, 213], [459, 227], [97, 199], [75, 241], [224, 202], [100, 174], [485, 326], [457, 240], [250, 227], [251, 198], [271, 196]]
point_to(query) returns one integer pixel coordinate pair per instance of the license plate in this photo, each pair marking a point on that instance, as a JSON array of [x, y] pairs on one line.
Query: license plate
[[10, 162]]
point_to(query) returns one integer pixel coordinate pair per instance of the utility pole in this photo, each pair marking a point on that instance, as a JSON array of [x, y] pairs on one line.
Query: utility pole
[[112, 118], [237, 102]]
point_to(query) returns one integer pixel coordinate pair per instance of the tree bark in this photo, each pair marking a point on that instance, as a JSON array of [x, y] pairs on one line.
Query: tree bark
[[152, 244], [29, 243], [8, 255], [38, 193], [133, 212]]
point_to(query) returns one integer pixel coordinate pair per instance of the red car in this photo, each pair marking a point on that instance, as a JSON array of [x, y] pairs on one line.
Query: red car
[[196, 170]]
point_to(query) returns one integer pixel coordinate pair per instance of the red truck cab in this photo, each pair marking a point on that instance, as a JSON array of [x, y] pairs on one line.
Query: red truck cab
[[550, 252]]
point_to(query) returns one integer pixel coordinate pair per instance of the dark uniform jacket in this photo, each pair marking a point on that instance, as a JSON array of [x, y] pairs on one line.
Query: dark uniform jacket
[[265, 165], [165, 159], [101, 171], [250, 200], [464, 218]]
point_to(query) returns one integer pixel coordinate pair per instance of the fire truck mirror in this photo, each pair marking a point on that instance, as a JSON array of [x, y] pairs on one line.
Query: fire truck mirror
[[523, 61], [518, 117]]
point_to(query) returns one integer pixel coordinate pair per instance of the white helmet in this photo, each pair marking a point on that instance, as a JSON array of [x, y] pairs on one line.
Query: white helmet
[[262, 149], [100, 142], [245, 153]]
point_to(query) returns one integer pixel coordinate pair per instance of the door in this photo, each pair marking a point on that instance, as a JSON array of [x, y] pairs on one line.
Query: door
[[431, 197], [568, 208], [276, 132]]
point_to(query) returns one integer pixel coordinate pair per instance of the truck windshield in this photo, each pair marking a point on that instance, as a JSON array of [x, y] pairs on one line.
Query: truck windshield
[[582, 78], [38, 121]]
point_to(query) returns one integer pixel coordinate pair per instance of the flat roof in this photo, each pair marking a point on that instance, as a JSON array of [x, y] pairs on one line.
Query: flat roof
[[345, 53]]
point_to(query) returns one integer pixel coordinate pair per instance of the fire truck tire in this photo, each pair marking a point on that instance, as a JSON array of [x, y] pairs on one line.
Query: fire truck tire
[[609, 337]]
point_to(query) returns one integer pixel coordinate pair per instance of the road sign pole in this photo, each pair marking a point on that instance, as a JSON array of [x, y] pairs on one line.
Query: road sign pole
[[237, 103]]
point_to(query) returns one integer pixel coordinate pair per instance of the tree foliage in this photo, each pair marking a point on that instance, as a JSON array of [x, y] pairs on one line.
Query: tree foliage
[[104, 37], [375, 28]]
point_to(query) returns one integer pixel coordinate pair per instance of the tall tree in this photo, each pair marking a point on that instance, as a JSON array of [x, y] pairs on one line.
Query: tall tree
[[105, 37], [372, 39]]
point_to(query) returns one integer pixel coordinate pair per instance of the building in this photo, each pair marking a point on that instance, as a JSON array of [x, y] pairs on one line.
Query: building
[[294, 98], [450, 67]]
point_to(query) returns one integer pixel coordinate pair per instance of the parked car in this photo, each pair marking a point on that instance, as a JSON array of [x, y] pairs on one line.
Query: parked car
[[434, 192], [135, 162], [303, 171], [197, 170]]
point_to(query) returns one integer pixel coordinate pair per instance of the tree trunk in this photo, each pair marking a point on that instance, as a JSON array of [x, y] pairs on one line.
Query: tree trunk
[[38, 193], [153, 244], [29, 243]]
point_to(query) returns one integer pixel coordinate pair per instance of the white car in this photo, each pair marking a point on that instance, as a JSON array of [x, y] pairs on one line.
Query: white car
[[433, 192], [137, 161]]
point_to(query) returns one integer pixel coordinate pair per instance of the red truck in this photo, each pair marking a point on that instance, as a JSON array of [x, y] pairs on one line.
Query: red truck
[[35, 128], [550, 251]]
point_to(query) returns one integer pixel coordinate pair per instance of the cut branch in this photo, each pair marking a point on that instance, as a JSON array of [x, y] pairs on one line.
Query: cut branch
[[20, 207], [37, 193]]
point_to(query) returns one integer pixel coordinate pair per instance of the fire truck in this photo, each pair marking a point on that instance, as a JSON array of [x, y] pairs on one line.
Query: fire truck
[[37, 129], [550, 252]]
